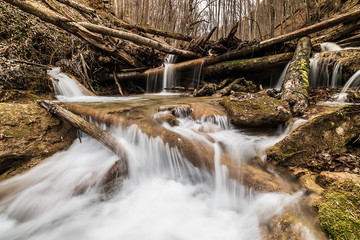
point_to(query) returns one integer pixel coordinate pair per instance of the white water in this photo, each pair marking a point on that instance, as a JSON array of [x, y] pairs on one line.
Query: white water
[[169, 76], [282, 76], [353, 81], [68, 90], [163, 198], [197, 75]]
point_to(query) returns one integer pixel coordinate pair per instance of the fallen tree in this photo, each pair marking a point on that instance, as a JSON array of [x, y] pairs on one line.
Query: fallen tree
[[238, 54], [296, 81], [78, 122]]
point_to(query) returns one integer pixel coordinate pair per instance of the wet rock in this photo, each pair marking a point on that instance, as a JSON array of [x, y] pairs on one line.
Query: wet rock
[[326, 178], [238, 85], [207, 90], [115, 175], [208, 110], [329, 132], [167, 117], [28, 135], [176, 110], [255, 110]]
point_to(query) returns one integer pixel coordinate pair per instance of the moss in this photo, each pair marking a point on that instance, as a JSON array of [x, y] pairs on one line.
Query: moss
[[339, 212]]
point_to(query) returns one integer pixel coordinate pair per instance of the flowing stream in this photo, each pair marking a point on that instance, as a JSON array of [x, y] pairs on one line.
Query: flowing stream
[[164, 196]]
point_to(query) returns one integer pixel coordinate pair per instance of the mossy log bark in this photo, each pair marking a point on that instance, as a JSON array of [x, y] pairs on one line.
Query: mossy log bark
[[228, 67], [296, 82], [247, 65], [78, 122]]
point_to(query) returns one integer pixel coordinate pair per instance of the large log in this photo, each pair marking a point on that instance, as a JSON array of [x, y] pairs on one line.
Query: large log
[[78, 122], [137, 39], [238, 54], [247, 65], [296, 81], [228, 67]]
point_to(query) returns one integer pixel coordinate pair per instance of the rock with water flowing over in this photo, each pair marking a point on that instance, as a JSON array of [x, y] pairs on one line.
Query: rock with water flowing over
[[307, 145], [255, 110], [27, 135]]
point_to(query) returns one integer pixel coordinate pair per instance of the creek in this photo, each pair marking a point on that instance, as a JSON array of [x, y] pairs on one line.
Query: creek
[[164, 196]]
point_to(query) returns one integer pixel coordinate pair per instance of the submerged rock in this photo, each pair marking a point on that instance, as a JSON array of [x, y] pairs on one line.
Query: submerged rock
[[255, 110], [206, 110], [326, 133], [27, 135]]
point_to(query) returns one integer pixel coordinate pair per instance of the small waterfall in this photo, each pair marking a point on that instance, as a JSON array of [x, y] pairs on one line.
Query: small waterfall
[[353, 81], [65, 86], [336, 75], [68, 90], [169, 76], [319, 72], [197, 75], [329, 46], [282, 76]]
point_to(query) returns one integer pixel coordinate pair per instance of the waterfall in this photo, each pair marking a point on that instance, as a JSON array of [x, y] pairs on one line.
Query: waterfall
[[197, 75], [65, 86], [169, 76], [69, 90], [354, 80], [282, 76], [164, 196]]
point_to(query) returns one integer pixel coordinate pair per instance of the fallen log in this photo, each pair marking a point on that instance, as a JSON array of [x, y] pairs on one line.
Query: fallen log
[[78, 6], [228, 67], [296, 81], [237, 54], [137, 39], [78, 122], [247, 65], [119, 23], [47, 15]]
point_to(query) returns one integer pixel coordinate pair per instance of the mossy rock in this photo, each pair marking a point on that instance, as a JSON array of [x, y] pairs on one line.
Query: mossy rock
[[29, 134], [12, 96], [329, 132], [339, 211], [256, 110]]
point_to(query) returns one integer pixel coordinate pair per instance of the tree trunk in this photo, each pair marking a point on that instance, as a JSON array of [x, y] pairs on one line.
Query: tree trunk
[[137, 39], [247, 65], [219, 69], [296, 82], [78, 122]]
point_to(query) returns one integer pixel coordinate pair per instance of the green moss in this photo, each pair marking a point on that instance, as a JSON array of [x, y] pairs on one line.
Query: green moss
[[339, 212]]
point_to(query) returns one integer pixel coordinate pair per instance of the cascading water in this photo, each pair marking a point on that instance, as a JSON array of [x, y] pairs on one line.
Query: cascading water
[[169, 76], [282, 76], [65, 86], [197, 75], [68, 90], [353, 81], [164, 196]]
